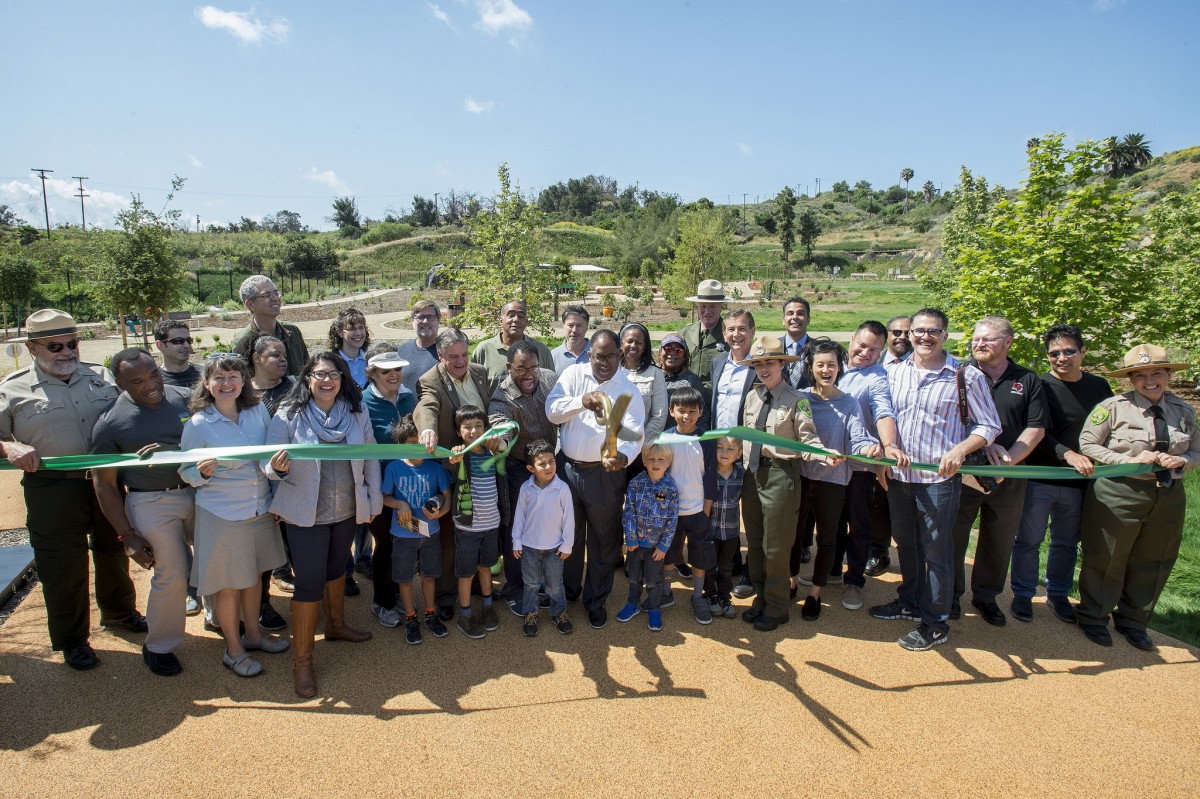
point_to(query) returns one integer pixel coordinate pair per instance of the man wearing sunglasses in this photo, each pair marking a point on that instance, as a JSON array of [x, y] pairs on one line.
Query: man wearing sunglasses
[[174, 341], [49, 409], [899, 345], [263, 301]]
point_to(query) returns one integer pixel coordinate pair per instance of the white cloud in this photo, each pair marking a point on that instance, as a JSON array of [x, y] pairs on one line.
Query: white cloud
[[195, 162], [245, 25], [472, 106], [328, 178], [745, 149], [440, 15], [496, 16], [25, 196], [1106, 5]]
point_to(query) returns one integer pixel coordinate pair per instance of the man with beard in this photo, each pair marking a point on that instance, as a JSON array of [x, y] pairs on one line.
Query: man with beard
[[50, 409], [421, 352], [899, 345], [703, 337], [493, 352], [264, 302], [520, 398], [596, 479]]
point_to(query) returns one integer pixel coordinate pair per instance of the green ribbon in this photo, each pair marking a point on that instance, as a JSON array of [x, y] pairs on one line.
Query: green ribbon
[[301, 452], [1018, 471]]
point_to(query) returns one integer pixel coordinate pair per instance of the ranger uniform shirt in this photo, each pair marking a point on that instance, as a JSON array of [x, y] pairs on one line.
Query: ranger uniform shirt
[[702, 346], [1122, 427], [790, 417], [52, 416]]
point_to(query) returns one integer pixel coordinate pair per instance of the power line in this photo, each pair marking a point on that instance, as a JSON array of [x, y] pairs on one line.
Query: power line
[[45, 204], [81, 195]]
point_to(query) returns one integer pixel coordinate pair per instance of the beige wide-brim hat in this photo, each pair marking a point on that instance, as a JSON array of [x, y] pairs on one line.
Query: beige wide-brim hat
[[768, 348], [386, 360], [709, 291], [48, 323], [1147, 356]]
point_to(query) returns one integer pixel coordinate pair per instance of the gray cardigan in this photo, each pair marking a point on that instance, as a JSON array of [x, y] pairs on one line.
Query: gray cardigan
[[296, 490]]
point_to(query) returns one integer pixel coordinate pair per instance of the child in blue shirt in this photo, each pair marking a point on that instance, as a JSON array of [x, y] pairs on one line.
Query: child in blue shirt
[[407, 486], [651, 514]]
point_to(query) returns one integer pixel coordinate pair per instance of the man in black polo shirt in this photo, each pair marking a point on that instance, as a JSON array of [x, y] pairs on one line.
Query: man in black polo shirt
[[151, 508], [174, 341], [1017, 393]]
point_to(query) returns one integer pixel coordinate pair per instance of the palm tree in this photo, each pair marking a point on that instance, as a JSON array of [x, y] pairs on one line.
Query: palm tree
[[906, 175], [1136, 150], [929, 190]]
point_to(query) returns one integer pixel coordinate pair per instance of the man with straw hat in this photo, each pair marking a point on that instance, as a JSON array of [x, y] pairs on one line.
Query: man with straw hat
[[49, 409], [1132, 526], [703, 338]]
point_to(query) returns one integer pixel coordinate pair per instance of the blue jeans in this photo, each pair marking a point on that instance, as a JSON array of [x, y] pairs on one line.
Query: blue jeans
[[363, 548], [923, 524], [644, 571], [542, 567], [1062, 507]]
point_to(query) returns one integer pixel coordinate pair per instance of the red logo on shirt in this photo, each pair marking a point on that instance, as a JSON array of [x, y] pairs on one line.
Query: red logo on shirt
[[1017, 388]]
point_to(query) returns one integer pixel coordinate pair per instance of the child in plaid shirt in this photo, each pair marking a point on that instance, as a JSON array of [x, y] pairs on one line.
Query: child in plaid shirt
[[723, 480], [651, 513]]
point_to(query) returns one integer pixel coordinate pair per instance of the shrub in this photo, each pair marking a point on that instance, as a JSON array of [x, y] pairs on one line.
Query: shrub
[[232, 305], [387, 231]]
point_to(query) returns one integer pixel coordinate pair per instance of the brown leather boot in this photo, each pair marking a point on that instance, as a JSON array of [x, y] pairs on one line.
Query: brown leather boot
[[336, 628], [304, 630]]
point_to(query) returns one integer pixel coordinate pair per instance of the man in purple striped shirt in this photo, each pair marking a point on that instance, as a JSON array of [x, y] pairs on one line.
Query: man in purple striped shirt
[[924, 504]]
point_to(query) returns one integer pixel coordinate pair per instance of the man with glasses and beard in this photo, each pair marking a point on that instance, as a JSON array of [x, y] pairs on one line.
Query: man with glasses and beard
[[421, 352], [47, 410], [899, 345]]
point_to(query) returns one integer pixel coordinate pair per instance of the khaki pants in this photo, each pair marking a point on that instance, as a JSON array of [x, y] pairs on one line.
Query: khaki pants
[[166, 519]]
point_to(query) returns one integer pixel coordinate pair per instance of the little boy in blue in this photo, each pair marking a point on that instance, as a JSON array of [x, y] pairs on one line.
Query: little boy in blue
[[407, 485], [651, 513], [723, 483], [543, 533]]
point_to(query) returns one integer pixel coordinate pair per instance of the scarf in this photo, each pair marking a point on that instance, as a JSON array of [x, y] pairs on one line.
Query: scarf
[[331, 428]]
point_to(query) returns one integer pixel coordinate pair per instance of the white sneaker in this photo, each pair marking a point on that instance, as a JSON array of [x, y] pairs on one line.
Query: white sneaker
[[852, 598], [388, 617]]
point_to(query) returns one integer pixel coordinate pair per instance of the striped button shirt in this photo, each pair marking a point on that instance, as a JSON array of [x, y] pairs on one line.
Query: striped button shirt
[[927, 414]]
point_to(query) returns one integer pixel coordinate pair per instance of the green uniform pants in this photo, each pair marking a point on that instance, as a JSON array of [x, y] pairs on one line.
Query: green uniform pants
[[1131, 532], [770, 505]]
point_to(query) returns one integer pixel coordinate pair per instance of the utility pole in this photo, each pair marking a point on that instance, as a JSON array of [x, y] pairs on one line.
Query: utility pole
[[818, 180], [197, 223], [744, 228], [435, 208], [45, 205], [81, 195]]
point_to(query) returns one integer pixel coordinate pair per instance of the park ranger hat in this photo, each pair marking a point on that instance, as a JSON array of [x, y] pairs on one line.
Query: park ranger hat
[[709, 291], [768, 348], [1146, 356], [48, 323]]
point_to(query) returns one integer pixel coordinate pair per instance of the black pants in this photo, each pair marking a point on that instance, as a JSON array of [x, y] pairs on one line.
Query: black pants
[[65, 521], [823, 501], [598, 497], [859, 512], [999, 518], [386, 591], [515, 476], [805, 523], [319, 555], [719, 581]]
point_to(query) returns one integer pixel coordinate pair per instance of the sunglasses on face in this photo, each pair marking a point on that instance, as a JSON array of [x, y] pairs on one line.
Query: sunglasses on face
[[180, 340], [57, 346], [378, 371], [1067, 353], [899, 333]]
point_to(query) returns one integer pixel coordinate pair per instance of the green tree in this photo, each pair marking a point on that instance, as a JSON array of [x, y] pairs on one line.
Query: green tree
[[502, 263], [703, 251], [284, 222], [1129, 153], [785, 224], [424, 212], [308, 256], [906, 175], [810, 229], [9, 218], [345, 213], [18, 279], [1172, 264], [928, 191], [1055, 252]]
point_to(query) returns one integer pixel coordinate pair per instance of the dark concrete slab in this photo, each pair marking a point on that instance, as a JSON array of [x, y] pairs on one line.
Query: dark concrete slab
[[15, 563]]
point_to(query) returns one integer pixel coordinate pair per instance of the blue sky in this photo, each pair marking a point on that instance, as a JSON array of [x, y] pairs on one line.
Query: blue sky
[[288, 105]]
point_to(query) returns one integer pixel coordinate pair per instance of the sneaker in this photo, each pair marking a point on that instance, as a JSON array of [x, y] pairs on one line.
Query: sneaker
[[744, 589], [852, 597], [922, 638], [834, 579], [490, 620], [470, 626], [515, 605], [388, 617], [597, 618], [727, 609], [269, 619], [352, 588], [654, 620], [714, 605], [628, 612], [529, 628], [412, 629], [684, 571], [803, 580], [701, 609], [192, 606], [435, 624], [667, 600], [894, 610], [563, 624]]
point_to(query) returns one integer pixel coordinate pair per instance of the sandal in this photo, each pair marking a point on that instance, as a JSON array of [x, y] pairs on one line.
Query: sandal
[[268, 643], [243, 665]]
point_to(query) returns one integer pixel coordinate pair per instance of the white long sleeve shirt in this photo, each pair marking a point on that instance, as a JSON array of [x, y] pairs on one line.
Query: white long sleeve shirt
[[544, 517], [580, 436]]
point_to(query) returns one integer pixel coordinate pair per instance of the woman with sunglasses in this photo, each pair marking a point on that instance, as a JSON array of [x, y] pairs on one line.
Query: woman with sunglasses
[[387, 400], [236, 539], [323, 501]]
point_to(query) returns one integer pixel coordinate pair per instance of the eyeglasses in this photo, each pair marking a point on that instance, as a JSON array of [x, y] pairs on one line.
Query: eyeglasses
[[425, 317], [987, 339], [1067, 353], [523, 370], [179, 341], [898, 333], [921, 332], [595, 357], [267, 295], [335, 375], [57, 346]]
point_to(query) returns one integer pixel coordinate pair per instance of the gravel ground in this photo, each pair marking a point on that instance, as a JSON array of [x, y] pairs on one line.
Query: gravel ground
[[9, 538]]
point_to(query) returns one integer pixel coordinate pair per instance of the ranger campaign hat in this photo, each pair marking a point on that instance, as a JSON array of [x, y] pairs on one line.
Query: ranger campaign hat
[[48, 323], [1146, 356], [768, 348], [709, 291]]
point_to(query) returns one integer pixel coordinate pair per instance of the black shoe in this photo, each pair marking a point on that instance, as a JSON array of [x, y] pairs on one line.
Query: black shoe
[[1022, 608], [543, 600], [744, 589], [81, 658], [764, 623], [750, 615], [1137, 638], [597, 617], [163, 664], [529, 628], [794, 591], [434, 622], [955, 611], [134, 622], [367, 570], [412, 630], [894, 610], [563, 624], [877, 565], [1097, 633], [1062, 608], [269, 619], [352, 588], [805, 554], [446, 613], [811, 611], [684, 571], [990, 612]]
